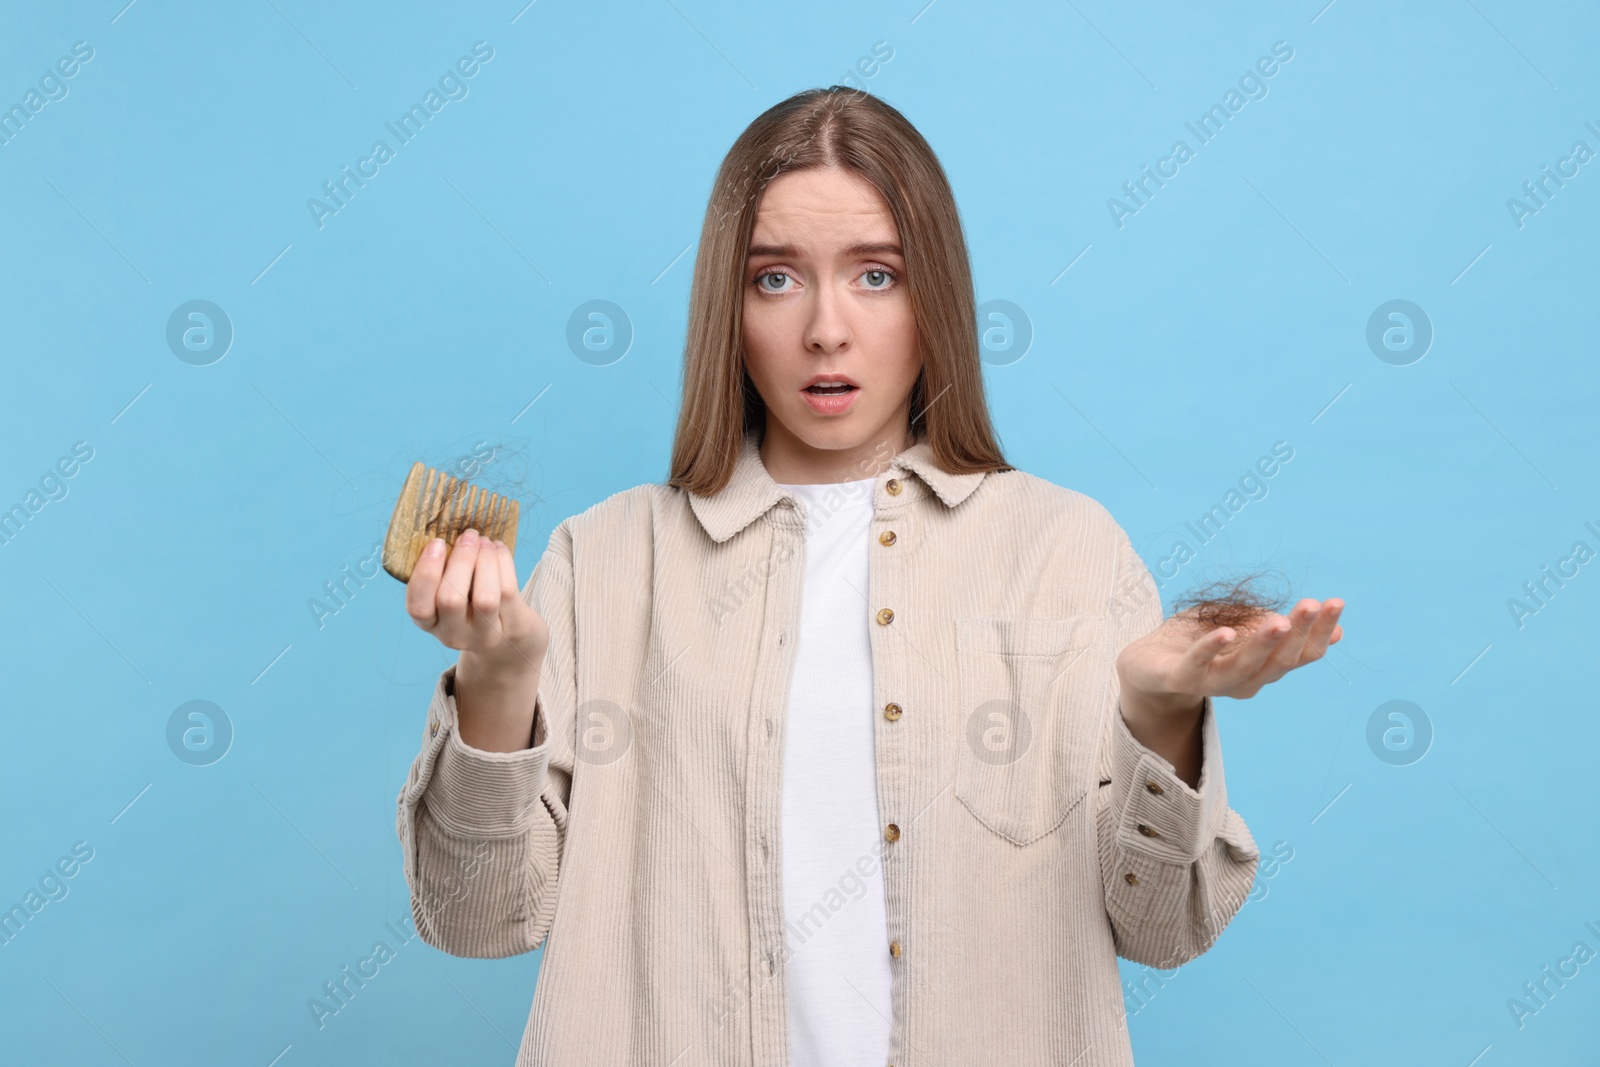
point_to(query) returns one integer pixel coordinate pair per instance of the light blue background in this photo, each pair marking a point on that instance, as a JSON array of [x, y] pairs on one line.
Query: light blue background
[[1228, 314]]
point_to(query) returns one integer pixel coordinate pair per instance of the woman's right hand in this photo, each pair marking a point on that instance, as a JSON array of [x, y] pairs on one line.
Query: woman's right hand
[[467, 595]]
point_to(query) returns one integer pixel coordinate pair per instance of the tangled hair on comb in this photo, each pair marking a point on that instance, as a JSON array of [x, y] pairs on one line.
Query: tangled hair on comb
[[1231, 602]]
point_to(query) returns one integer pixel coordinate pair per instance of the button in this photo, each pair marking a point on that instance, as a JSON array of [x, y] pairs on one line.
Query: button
[[768, 960], [1154, 786], [894, 949], [885, 616], [433, 727], [1131, 878], [783, 636], [1147, 831], [769, 727], [886, 538], [893, 486], [891, 712], [891, 832]]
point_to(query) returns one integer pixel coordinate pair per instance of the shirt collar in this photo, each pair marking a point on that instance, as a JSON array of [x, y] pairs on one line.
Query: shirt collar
[[751, 491]]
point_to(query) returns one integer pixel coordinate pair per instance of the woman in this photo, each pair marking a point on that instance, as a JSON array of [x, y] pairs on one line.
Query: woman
[[850, 744]]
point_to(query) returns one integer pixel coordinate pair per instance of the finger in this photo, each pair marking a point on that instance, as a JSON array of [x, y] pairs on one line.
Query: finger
[[457, 583], [1254, 651], [424, 584], [1320, 633], [1205, 651], [1290, 650], [508, 573], [486, 583], [510, 590], [1303, 620], [1288, 655]]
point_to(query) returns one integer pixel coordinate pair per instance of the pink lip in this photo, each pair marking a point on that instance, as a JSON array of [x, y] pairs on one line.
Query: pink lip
[[831, 405]]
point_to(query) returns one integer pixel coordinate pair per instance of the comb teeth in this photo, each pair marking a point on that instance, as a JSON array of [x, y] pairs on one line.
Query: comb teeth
[[435, 504]]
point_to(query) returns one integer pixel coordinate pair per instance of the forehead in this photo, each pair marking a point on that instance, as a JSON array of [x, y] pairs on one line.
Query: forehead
[[822, 203]]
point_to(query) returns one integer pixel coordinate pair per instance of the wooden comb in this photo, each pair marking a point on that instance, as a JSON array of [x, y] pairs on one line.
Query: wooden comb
[[434, 504]]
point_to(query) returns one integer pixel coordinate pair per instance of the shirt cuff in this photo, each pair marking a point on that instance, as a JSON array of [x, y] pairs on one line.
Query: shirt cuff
[[1162, 817], [472, 792]]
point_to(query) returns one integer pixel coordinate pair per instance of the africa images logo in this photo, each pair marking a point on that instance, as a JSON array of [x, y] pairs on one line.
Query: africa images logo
[[1252, 86], [452, 86]]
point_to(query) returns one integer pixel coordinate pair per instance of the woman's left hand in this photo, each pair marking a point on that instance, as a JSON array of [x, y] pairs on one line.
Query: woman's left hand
[[1175, 666]]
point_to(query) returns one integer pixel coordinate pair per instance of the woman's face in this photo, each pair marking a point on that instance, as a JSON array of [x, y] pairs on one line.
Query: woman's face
[[825, 295]]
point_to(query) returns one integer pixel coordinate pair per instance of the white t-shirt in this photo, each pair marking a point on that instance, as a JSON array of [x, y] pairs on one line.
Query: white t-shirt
[[836, 927]]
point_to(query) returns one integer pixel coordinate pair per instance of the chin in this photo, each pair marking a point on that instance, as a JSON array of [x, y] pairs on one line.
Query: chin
[[827, 438], [835, 434]]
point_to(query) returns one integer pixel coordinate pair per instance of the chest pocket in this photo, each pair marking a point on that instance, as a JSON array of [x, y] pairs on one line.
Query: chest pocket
[[1031, 695]]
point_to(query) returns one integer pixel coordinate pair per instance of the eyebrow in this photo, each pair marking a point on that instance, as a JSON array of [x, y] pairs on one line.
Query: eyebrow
[[881, 248]]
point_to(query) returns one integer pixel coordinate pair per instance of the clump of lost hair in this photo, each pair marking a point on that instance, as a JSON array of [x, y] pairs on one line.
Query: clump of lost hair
[[1238, 603]]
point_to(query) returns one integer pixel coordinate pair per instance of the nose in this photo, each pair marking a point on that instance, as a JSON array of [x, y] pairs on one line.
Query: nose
[[827, 331]]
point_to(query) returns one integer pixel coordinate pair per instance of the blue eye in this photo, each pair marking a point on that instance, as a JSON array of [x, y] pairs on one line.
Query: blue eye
[[882, 280]]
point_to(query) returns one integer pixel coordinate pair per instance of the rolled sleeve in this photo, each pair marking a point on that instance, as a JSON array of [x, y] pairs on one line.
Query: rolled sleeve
[[1177, 861], [482, 833], [1163, 817], [473, 792]]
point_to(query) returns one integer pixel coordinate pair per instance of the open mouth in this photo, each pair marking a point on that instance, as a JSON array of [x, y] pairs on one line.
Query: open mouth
[[830, 388]]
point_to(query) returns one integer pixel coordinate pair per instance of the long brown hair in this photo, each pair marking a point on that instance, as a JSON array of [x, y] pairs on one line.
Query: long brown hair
[[848, 128]]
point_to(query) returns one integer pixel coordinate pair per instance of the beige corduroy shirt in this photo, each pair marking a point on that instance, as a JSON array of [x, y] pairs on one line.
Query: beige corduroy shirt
[[1028, 838]]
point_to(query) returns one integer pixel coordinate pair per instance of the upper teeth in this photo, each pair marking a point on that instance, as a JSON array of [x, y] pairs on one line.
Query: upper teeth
[[831, 385]]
